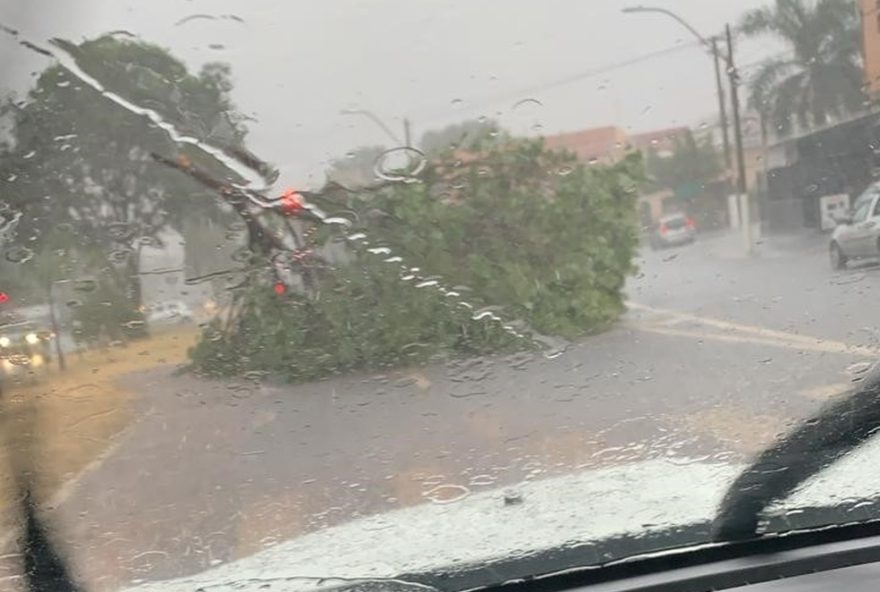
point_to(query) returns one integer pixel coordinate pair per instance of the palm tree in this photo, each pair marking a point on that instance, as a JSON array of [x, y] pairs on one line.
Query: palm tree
[[820, 78]]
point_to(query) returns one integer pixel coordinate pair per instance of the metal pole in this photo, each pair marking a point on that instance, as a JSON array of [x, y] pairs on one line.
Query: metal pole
[[62, 365], [375, 119], [742, 187], [722, 102], [407, 134]]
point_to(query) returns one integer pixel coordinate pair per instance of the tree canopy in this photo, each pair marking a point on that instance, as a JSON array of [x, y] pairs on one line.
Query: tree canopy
[[692, 163], [78, 160], [819, 77]]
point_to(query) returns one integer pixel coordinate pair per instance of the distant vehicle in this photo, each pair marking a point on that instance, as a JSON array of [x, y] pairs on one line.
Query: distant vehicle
[[169, 313], [21, 338], [673, 230], [857, 235]]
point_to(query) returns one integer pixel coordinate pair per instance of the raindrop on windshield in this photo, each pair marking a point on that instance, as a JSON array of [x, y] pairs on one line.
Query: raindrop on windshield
[[447, 494], [85, 285], [527, 104], [400, 164], [19, 254]]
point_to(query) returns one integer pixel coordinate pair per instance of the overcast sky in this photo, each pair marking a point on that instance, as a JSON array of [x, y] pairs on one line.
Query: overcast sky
[[298, 63]]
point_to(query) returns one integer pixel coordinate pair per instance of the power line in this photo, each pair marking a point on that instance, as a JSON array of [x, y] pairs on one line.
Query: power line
[[593, 72], [584, 75]]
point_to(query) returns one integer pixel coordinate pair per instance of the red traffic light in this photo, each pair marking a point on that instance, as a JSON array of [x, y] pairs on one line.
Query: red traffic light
[[4, 297]]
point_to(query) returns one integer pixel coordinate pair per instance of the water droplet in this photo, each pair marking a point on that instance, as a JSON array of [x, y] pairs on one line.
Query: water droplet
[[858, 368], [527, 104], [447, 494], [845, 280], [457, 102], [120, 231], [482, 480], [19, 254], [30, 155], [85, 285], [119, 256], [565, 171], [133, 324], [400, 164], [242, 255]]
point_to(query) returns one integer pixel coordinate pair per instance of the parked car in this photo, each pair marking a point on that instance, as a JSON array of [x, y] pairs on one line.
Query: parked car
[[672, 230], [169, 313], [857, 235]]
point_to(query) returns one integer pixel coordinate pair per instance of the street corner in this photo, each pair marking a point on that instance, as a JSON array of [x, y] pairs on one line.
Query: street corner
[[67, 420]]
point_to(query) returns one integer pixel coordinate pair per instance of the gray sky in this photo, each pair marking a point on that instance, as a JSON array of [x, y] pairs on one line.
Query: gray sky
[[297, 63]]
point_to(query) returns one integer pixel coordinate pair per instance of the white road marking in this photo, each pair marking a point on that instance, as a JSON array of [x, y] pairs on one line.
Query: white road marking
[[740, 333]]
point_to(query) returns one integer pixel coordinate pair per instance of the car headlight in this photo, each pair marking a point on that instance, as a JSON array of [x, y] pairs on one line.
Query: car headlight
[[32, 338], [5, 341]]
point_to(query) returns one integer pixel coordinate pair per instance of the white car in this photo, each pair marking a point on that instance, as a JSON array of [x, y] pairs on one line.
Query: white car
[[857, 236], [169, 313]]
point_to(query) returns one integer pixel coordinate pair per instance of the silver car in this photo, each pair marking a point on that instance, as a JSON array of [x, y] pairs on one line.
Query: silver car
[[672, 230], [857, 235]]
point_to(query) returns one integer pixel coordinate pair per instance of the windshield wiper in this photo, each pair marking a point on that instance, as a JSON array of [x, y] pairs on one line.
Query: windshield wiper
[[811, 447]]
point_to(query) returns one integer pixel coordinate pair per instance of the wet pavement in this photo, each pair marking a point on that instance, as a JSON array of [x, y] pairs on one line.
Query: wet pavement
[[718, 355]]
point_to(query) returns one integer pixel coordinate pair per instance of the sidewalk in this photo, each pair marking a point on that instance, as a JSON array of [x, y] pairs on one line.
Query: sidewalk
[[69, 419], [729, 244]]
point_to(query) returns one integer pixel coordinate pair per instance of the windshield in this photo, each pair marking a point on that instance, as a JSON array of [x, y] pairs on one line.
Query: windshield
[[367, 290]]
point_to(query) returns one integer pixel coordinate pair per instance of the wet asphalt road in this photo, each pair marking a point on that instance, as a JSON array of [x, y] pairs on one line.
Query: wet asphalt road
[[718, 355]]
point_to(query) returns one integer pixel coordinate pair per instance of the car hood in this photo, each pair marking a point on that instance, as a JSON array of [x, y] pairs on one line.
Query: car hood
[[605, 504]]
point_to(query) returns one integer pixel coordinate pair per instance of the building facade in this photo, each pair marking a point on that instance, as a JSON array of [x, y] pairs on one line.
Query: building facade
[[870, 11]]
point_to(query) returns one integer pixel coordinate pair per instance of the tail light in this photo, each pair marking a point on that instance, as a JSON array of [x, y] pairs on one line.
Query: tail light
[[690, 223], [663, 229]]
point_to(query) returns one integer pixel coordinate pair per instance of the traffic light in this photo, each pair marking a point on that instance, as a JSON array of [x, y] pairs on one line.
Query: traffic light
[[4, 297]]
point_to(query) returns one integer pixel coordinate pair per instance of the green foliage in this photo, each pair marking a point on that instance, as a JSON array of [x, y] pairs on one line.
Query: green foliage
[[467, 135], [533, 234], [105, 315], [365, 319], [692, 163], [82, 161], [822, 78]]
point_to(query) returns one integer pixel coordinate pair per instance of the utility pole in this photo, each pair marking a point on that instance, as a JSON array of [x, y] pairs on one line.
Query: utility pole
[[56, 330], [722, 103], [733, 78], [741, 185], [407, 133]]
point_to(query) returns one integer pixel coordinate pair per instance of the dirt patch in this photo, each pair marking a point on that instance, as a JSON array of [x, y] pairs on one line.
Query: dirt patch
[[738, 430], [57, 423]]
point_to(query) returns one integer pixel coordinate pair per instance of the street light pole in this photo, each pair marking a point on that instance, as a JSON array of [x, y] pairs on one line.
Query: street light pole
[[733, 78], [407, 133], [742, 187], [378, 121], [722, 104], [56, 330]]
